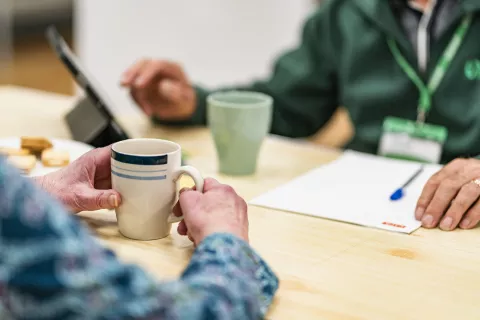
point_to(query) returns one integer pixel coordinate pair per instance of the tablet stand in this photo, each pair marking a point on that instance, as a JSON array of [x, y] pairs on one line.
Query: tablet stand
[[90, 125]]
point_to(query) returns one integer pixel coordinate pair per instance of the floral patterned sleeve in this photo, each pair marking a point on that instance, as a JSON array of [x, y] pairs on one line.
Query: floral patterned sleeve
[[52, 268]]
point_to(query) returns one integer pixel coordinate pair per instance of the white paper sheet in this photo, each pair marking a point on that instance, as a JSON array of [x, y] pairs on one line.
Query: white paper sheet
[[356, 189]]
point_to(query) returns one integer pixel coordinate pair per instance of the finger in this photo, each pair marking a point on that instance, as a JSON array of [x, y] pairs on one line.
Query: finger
[[210, 183], [182, 228], [140, 91], [92, 200], [141, 99], [159, 68], [131, 73], [442, 199], [98, 163], [188, 202], [432, 185], [467, 196], [177, 209], [426, 197], [179, 99], [102, 158], [472, 218], [173, 91]]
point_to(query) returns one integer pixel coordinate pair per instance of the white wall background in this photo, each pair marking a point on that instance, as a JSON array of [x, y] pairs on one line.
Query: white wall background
[[219, 42]]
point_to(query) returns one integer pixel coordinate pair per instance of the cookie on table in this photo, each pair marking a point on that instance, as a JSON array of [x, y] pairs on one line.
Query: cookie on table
[[7, 151], [55, 158], [24, 163], [35, 145]]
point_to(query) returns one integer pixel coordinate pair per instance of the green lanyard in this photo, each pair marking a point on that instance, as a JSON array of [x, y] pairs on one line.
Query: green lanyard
[[426, 92]]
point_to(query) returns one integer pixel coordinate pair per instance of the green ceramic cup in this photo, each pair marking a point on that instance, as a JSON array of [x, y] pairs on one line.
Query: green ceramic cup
[[239, 122]]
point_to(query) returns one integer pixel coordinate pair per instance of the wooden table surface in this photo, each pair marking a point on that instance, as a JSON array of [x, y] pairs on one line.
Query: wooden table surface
[[328, 270]]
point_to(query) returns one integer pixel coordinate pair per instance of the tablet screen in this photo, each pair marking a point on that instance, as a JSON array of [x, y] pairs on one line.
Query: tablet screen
[[82, 78]]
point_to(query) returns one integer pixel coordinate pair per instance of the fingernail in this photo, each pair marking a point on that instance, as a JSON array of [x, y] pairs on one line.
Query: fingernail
[[113, 200], [465, 224], [419, 213], [446, 224], [427, 221]]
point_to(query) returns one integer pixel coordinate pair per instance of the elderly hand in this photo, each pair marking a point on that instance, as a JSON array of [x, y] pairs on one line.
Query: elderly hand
[[218, 210], [84, 185], [161, 88], [451, 197]]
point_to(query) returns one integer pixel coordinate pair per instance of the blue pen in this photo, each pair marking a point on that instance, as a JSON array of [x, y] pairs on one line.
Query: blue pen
[[399, 193]]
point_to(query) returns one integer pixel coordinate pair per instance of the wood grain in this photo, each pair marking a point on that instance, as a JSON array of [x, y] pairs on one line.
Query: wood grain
[[328, 270]]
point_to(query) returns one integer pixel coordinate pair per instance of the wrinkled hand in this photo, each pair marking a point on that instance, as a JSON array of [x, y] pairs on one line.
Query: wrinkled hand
[[218, 210], [451, 198], [161, 89], [85, 184]]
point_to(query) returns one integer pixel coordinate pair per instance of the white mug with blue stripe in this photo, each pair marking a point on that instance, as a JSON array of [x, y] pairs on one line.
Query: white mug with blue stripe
[[145, 172]]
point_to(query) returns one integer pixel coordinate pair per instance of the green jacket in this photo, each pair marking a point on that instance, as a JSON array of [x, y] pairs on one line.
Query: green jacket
[[344, 60]]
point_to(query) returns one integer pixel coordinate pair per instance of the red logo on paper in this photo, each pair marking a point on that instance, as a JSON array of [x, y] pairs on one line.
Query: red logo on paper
[[401, 226]]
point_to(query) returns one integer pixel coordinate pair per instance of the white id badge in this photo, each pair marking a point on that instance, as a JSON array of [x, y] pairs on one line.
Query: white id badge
[[408, 140]]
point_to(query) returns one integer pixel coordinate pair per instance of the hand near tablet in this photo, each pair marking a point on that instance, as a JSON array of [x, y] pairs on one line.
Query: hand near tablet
[[161, 89], [85, 184], [451, 197]]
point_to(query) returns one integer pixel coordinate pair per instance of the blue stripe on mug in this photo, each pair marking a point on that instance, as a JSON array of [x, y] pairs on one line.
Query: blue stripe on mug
[[140, 160], [127, 176]]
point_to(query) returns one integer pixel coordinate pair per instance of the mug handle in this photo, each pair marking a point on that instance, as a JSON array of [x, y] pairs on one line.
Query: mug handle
[[197, 178]]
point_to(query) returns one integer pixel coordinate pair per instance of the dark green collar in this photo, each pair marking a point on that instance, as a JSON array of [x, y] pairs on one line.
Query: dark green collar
[[376, 8], [380, 12], [470, 5]]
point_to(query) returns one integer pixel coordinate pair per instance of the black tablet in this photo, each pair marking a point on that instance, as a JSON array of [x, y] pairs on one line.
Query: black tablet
[[92, 121]]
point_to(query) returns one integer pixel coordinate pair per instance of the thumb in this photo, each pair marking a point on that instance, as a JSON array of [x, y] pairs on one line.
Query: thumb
[[188, 201], [93, 199]]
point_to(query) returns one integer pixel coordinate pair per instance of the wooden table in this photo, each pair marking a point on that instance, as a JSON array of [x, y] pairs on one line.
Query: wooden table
[[328, 270]]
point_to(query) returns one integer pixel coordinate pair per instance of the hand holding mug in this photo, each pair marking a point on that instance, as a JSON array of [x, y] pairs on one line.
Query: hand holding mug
[[217, 210], [85, 184]]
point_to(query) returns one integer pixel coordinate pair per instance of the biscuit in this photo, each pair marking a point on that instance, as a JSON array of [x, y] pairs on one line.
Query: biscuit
[[55, 158], [6, 151], [35, 144], [24, 163]]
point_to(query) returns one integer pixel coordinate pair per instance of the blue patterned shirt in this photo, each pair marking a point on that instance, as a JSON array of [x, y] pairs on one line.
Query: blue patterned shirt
[[52, 268]]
